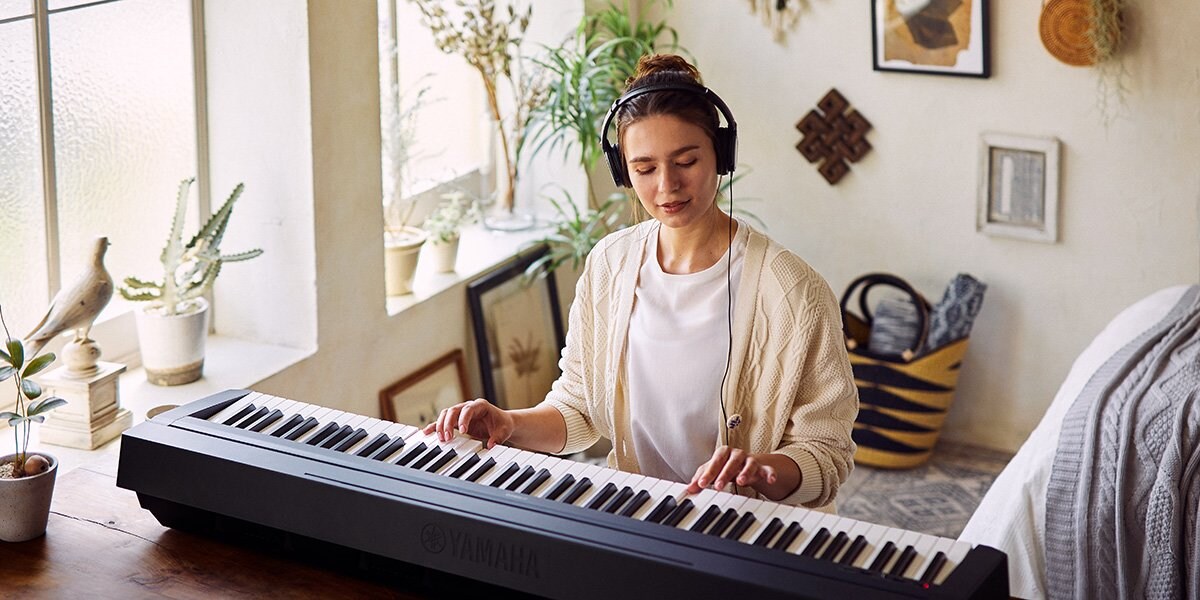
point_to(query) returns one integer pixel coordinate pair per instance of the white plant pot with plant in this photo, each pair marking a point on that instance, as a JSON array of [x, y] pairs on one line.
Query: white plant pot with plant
[[445, 225], [401, 249], [173, 323], [26, 479]]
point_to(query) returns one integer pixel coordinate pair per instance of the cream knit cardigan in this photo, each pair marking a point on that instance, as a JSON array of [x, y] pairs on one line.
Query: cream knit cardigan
[[789, 381]]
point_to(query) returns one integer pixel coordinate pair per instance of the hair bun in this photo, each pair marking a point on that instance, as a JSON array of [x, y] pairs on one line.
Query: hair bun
[[663, 66]]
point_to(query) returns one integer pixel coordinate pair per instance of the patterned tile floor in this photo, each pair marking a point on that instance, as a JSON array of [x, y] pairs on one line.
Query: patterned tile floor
[[935, 498]]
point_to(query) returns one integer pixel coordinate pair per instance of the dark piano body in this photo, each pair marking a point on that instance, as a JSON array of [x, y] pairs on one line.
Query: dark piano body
[[191, 472]]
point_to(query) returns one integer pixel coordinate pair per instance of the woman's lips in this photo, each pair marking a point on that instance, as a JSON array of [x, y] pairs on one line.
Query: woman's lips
[[673, 207]]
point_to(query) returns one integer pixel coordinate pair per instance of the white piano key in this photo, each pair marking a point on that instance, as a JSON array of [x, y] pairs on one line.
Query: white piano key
[[373, 429], [236, 407], [904, 540], [557, 467], [853, 530], [701, 501], [940, 544], [659, 490], [923, 544], [877, 536], [958, 551], [808, 520], [764, 512], [599, 479]]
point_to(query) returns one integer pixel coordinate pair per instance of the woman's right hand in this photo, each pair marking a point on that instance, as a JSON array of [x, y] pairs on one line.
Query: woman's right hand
[[478, 418]]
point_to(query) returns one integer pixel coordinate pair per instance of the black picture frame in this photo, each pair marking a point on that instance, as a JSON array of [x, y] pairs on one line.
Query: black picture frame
[[895, 47], [518, 330]]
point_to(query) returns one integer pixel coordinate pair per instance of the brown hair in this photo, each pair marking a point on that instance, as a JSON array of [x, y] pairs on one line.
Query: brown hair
[[655, 69]]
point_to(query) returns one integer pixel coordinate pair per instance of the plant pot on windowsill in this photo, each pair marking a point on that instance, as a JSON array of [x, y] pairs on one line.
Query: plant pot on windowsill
[[444, 254], [401, 248], [25, 502], [173, 345]]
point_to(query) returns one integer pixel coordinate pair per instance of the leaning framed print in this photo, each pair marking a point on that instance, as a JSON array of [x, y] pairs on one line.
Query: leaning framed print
[[420, 396], [518, 332], [1018, 187], [938, 37]]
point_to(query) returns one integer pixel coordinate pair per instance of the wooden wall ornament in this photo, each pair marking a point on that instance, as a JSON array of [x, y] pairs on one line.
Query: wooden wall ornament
[[833, 136], [778, 15]]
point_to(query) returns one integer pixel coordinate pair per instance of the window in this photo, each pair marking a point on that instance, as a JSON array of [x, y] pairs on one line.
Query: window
[[118, 83]]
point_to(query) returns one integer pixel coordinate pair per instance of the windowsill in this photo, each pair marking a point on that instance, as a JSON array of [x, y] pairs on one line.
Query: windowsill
[[229, 364], [479, 250]]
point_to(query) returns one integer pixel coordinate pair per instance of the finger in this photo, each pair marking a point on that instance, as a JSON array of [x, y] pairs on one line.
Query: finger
[[467, 416], [729, 471], [445, 422], [713, 467], [694, 485], [751, 473]]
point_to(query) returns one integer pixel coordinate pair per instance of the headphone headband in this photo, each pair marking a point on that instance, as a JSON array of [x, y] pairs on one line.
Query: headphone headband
[[726, 137]]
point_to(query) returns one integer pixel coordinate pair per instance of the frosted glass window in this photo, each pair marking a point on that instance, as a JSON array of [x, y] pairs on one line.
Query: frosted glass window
[[15, 8], [24, 291], [124, 125]]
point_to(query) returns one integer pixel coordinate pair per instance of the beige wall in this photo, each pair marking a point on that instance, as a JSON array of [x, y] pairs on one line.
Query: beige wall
[[1129, 193]]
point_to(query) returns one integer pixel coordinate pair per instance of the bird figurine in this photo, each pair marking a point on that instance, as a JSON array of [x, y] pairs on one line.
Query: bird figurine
[[75, 307]]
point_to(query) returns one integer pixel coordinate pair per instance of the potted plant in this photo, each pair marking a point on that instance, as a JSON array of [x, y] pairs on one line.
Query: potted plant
[[401, 242], [444, 226], [173, 324], [26, 480], [576, 233]]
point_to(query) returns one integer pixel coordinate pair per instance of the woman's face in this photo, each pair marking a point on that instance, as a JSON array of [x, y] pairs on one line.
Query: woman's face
[[673, 168]]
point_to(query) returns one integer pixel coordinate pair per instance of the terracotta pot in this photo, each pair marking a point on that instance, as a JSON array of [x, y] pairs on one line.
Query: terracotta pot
[[172, 346], [25, 502]]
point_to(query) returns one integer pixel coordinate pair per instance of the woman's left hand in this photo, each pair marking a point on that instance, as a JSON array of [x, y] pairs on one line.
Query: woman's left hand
[[732, 465]]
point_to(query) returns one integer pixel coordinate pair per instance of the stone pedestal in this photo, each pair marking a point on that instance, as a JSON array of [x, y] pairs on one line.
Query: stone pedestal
[[92, 415]]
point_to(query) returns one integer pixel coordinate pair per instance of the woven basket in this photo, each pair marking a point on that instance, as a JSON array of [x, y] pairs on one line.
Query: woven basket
[[1064, 29], [902, 401]]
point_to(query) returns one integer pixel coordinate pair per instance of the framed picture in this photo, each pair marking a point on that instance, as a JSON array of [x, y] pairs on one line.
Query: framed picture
[[418, 398], [518, 332], [939, 37], [1018, 187]]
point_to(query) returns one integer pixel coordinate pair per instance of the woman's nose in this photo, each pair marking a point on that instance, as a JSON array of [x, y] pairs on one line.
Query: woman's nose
[[668, 181]]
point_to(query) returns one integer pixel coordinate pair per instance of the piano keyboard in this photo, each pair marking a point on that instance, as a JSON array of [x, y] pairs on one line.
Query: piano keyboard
[[902, 559]]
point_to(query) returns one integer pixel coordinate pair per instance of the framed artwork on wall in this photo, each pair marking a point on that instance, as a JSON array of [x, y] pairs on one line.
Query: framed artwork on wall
[[1018, 187], [518, 332], [420, 396], [938, 37]]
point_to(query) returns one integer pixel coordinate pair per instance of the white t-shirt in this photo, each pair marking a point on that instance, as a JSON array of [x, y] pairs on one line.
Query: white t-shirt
[[677, 355]]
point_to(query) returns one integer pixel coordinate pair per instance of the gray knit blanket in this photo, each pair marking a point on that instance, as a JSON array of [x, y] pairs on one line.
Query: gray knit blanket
[[1125, 483]]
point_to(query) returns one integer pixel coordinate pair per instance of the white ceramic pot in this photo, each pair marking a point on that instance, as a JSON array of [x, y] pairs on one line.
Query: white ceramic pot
[[173, 345], [401, 249], [443, 254], [25, 503]]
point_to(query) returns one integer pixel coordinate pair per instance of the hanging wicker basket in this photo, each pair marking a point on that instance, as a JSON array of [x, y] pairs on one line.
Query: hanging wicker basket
[[1065, 29]]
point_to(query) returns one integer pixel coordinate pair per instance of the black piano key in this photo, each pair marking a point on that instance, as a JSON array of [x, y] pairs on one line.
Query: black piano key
[[787, 537], [414, 452], [359, 435], [677, 515], [852, 553], [636, 503], [241, 414], [723, 523], [904, 561], [561, 487], [258, 414], [484, 468], [506, 474], [521, 477], [706, 519], [373, 445], [602, 496], [448, 456], [275, 415], [815, 544], [577, 490], [389, 449], [304, 427], [618, 500], [661, 511], [427, 457], [768, 532], [839, 541], [287, 426], [537, 481], [931, 572], [321, 434], [881, 559], [739, 529], [342, 433], [466, 465]]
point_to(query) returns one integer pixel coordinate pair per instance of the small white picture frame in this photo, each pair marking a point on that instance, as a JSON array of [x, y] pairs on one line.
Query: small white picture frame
[[1018, 187]]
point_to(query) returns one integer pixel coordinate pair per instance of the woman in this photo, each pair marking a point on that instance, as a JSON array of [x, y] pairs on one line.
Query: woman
[[705, 351]]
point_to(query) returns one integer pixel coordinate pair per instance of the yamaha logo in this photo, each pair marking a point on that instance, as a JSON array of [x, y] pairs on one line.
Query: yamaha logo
[[433, 538]]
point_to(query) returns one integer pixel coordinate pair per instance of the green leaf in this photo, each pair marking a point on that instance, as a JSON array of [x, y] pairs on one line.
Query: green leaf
[[31, 389], [16, 353], [5, 357], [46, 405], [6, 415], [6, 372], [16, 420], [38, 364]]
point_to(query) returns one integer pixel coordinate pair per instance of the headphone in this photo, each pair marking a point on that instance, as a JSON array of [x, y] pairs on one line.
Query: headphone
[[725, 143]]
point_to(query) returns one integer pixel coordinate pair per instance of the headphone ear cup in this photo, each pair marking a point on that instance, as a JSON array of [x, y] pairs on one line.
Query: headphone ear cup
[[726, 148], [616, 166]]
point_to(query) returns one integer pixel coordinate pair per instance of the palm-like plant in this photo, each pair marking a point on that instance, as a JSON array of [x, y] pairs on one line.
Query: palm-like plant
[[577, 233], [29, 409]]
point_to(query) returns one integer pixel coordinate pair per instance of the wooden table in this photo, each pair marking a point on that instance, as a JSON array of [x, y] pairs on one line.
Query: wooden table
[[101, 544]]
